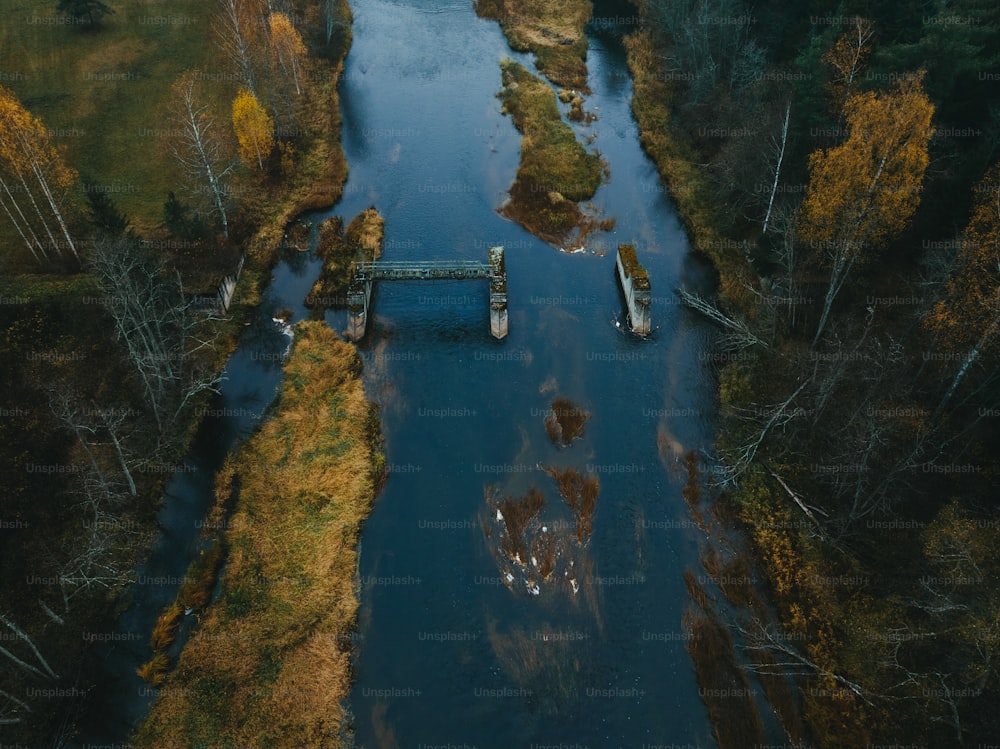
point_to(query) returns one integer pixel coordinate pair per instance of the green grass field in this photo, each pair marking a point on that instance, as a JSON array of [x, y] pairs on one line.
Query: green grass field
[[104, 93]]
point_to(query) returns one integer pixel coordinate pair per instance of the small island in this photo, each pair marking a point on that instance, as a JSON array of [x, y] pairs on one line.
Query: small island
[[556, 172]]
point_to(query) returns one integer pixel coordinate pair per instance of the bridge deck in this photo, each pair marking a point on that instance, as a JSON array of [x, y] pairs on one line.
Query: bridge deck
[[364, 274], [421, 270]]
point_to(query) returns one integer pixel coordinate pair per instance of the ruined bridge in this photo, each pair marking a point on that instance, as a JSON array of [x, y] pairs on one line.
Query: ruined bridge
[[365, 274]]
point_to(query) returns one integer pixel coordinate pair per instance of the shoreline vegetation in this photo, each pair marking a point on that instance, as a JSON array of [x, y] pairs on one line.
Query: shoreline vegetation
[[858, 475], [552, 31], [270, 660], [337, 248], [726, 583], [109, 96], [556, 172], [674, 158]]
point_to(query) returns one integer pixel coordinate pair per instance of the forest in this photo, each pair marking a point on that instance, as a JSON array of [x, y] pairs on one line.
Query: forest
[[144, 155], [837, 163]]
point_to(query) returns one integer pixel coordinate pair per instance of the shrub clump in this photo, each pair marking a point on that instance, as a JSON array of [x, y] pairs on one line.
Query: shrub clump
[[566, 422], [337, 248]]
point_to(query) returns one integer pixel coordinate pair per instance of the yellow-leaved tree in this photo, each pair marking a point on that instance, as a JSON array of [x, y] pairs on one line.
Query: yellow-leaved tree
[[254, 128], [287, 47], [846, 58], [34, 180], [967, 320], [864, 191]]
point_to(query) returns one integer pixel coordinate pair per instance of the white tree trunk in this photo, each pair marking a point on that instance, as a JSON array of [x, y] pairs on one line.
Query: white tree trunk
[[777, 168], [17, 630], [970, 359]]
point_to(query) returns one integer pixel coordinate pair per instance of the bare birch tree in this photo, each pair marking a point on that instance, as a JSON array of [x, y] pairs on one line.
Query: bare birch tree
[[199, 148], [158, 326], [238, 29], [34, 181]]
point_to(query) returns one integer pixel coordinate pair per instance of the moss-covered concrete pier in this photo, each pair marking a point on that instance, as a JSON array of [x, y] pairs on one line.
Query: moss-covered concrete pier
[[635, 284]]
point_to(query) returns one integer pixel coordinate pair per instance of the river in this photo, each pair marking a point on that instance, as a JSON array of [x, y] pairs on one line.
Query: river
[[447, 653]]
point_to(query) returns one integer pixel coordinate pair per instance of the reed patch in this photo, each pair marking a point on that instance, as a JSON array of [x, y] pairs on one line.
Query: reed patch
[[337, 248], [270, 663], [565, 422], [552, 30]]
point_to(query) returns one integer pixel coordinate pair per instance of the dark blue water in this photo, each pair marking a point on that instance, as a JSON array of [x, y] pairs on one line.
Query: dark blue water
[[448, 651]]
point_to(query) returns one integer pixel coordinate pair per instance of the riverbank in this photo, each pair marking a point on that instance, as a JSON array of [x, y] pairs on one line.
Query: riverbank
[[337, 248], [269, 663], [316, 181], [116, 126], [678, 163], [552, 31], [853, 481], [774, 531]]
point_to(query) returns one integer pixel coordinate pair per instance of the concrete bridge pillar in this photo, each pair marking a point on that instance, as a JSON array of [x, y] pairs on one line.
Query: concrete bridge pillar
[[358, 300], [635, 284], [498, 294]]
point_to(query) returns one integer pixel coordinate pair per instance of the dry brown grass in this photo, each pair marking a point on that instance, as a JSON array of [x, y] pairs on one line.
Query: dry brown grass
[[194, 593], [552, 29], [338, 249], [154, 671], [580, 493], [165, 628], [270, 664], [366, 232], [201, 577], [566, 422], [517, 513], [556, 171]]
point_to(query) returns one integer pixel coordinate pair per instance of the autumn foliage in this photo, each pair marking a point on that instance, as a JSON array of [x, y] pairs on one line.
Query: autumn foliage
[[269, 664], [254, 128], [971, 305], [847, 57], [966, 320], [287, 48], [34, 181], [864, 191]]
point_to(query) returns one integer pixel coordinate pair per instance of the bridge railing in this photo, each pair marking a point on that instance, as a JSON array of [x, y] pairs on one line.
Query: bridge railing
[[389, 269]]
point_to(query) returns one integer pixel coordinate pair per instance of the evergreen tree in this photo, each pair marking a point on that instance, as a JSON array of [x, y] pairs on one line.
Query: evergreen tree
[[102, 211], [92, 10]]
